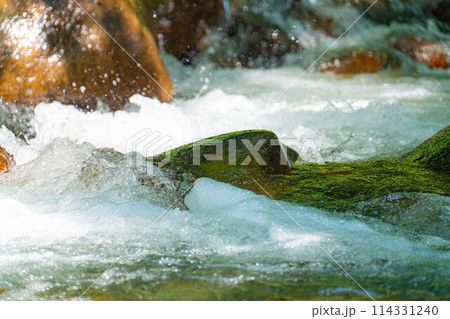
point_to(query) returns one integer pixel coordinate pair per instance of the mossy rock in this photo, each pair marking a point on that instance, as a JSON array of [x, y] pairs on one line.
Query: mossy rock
[[342, 186], [433, 153], [236, 166], [338, 187]]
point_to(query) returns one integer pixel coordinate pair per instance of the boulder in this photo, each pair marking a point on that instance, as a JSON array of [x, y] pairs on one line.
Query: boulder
[[434, 153], [237, 158], [435, 56], [53, 50], [405, 11], [184, 25], [430, 53], [357, 62], [254, 34], [341, 187], [6, 161], [230, 33]]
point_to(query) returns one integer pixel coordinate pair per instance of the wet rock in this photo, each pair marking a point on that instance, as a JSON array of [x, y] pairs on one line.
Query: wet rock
[[405, 11], [237, 158], [432, 54], [342, 186], [185, 25], [434, 153], [441, 11], [54, 51], [357, 62], [424, 214], [229, 33], [420, 51], [17, 120], [334, 186], [314, 18], [6, 161], [254, 34]]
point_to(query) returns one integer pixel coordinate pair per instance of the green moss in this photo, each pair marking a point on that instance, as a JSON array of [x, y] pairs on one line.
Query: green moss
[[182, 159], [333, 186], [434, 153], [341, 186]]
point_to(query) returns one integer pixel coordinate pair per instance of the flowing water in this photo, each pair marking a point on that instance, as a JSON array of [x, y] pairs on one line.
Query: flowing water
[[69, 212]]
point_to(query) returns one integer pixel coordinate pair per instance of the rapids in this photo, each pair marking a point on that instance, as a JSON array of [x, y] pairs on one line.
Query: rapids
[[62, 225]]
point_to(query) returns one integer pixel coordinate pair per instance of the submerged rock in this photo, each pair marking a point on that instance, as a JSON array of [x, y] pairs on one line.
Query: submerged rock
[[6, 161], [425, 214], [254, 35], [183, 26], [60, 51]]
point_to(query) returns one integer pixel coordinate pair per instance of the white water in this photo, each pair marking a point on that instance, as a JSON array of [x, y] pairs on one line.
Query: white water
[[63, 221], [48, 247], [374, 115]]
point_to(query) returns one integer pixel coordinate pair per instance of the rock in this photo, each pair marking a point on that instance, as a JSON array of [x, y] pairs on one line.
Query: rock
[[53, 51], [252, 37], [241, 33], [18, 120], [441, 11], [184, 25], [425, 214], [342, 186], [237, 165], [405, 11], [433, 55], [334, 186], [6, 161], [434, 153], [357, 62]]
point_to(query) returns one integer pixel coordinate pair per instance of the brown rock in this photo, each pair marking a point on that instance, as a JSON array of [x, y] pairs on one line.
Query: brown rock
[[184, 24], [433, 55], [6, 161], [355, 63], [52, 50]]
